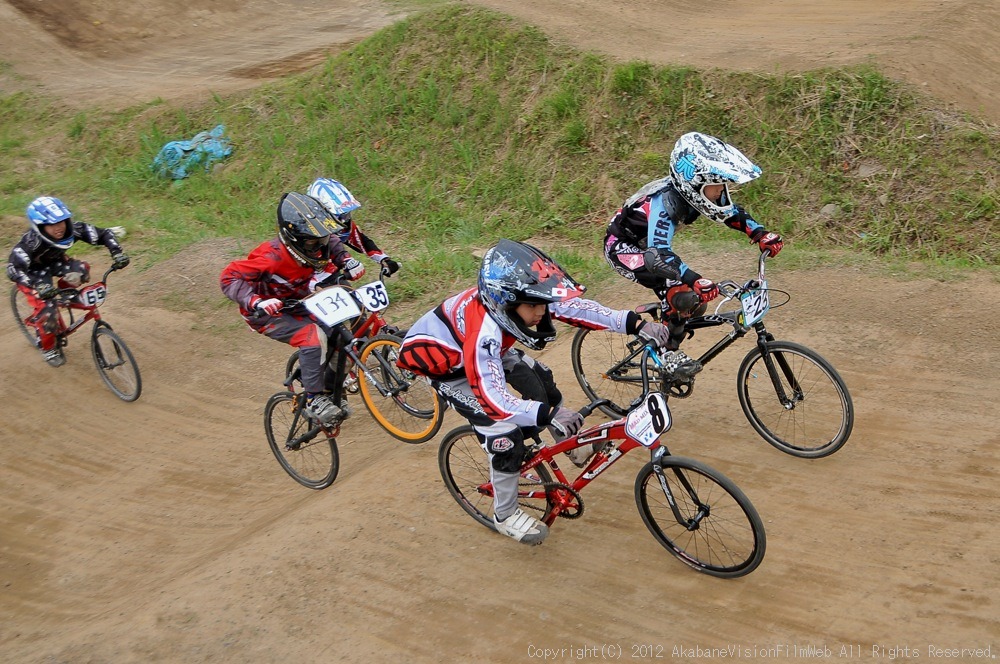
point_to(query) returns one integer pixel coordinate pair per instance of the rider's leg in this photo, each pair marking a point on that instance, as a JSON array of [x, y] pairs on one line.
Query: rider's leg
[[505, 448], [44, 319], [311, 340], [682, 303]]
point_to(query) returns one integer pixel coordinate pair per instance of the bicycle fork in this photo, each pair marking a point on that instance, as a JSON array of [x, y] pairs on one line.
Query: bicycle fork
[[693, 523], [779, 359]]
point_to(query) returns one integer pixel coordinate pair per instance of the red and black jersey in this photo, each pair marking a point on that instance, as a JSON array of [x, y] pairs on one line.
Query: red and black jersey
[[271, 271]]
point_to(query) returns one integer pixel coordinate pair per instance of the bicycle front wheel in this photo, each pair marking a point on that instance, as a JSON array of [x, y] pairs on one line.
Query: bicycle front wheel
[[607, 366], [801, 406], [115, 363], [700, 517], [465, 469], [21, 308], [403, 404], [314, 462]]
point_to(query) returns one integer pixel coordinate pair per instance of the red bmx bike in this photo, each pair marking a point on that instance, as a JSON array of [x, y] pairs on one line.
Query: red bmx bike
[[76, 307]]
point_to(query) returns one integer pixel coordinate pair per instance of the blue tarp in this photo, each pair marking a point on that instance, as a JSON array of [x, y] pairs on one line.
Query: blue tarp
[[176, 158]]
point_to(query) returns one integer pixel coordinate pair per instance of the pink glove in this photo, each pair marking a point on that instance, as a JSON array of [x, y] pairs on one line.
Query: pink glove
[[706, 290], [354, 269], [270, 306]]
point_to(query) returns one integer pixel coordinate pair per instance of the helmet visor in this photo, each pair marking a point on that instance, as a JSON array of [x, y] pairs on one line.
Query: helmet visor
[[313, 247]]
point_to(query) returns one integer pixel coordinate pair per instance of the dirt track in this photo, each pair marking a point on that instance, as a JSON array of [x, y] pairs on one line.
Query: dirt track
[[164, 530]]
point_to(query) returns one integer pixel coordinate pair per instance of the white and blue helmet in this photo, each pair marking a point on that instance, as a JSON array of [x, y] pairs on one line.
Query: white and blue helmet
[[47, 211], [335, 197], [698, 160]]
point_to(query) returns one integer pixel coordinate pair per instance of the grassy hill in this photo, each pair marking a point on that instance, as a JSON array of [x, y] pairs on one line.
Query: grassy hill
[[459, 126]]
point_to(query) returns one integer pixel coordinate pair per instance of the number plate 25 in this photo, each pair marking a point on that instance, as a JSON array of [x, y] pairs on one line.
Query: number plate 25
[[755, 305], [649, 419]]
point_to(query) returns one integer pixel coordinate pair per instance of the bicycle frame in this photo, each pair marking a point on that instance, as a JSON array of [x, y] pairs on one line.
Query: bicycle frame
[[731, 290], [608, 433], [68, 299]]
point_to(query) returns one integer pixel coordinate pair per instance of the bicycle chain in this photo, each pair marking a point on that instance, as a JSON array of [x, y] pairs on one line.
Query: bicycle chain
[[549, 486]]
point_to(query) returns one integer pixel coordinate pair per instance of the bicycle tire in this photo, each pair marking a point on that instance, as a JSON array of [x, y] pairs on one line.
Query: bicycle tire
[[820, 419], [727, 542], [115, 363], [594, 353], [464, 467], [316, 462], [19, 305], [413, 415]]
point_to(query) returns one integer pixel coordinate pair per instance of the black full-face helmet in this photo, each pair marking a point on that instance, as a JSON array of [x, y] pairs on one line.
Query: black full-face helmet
[[305, 228], [514, 273]]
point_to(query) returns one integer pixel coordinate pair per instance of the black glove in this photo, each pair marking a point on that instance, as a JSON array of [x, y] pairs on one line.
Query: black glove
[[46, 291], [389, 267], [120, 260]]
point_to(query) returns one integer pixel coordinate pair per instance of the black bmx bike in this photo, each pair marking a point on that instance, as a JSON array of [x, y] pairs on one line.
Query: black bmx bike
[[793, 397]]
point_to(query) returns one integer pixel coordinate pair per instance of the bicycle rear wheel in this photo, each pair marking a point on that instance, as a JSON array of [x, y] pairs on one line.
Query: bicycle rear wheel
[[115, 363], [815, 416], [465, 470], [314, 462], [607, 366], [411, 411], [707, 522], [21, 308]]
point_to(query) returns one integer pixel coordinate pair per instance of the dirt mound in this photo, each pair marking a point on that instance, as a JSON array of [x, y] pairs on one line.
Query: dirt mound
[[164, 531], [120, 52]]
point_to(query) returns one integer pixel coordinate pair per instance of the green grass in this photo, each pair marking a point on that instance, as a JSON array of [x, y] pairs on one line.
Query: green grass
[[459, 126]]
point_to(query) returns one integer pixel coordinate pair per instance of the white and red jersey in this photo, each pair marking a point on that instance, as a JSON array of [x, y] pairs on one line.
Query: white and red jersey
[[459, 339]]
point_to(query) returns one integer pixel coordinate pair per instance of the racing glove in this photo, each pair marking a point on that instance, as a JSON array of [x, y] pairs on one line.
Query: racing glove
[[655, 332], [706, 289]]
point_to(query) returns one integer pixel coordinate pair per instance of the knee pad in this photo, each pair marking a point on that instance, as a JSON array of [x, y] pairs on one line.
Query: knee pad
[[685, 302], [507, 450]]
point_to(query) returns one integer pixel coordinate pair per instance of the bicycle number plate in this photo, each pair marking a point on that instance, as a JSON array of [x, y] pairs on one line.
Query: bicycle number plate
[[755, 305], [373, 296], [332, 305], [649, 419], [93, 295]]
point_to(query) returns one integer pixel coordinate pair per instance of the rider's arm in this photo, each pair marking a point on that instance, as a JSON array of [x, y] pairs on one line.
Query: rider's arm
[[581, 312], [357, 240], [19, 262], [96, 235], [239, 280], [743, 222]]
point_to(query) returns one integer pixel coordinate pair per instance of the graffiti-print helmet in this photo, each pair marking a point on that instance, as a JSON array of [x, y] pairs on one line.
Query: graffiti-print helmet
[[698, 160], [514, 273]]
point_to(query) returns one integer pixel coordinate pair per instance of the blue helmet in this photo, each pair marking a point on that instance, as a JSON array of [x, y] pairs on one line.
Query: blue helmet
[[337, 200], [48, 211]]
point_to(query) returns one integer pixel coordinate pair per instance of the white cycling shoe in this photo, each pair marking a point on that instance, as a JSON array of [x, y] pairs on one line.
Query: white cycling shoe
[[522, 528]]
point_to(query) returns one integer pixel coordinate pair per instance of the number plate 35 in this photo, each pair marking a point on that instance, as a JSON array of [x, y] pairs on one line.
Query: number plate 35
[[649, 419]]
